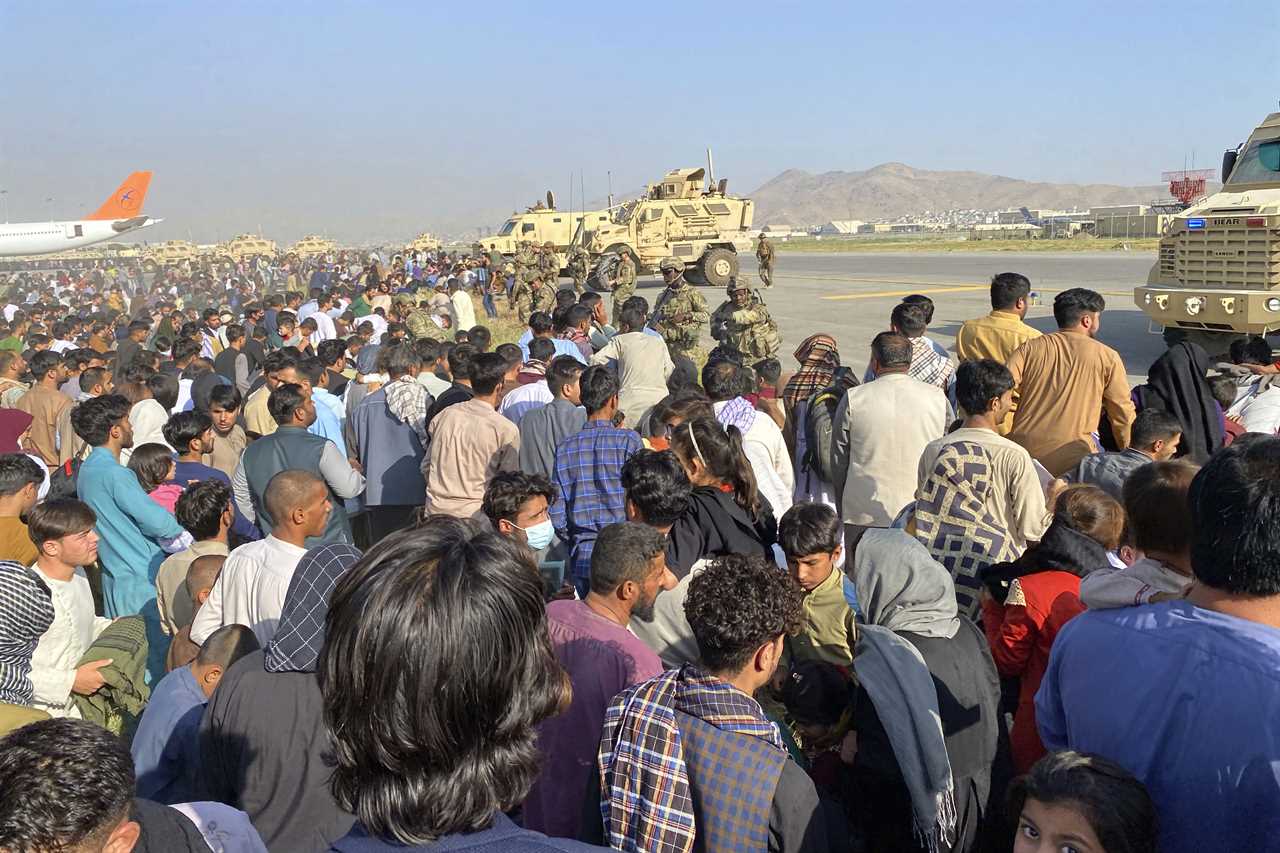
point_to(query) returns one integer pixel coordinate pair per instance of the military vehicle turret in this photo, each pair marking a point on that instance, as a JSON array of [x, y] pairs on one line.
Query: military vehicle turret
[[680, 217], [1217, 274]]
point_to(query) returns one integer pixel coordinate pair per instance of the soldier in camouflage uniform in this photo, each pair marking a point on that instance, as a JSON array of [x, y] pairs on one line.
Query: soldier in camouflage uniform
[[579, 263], [624, 285], [764, 255], [544, 295], [549, 265], [420, 324], [743, 324], [522, 297], [681, 311], [524, 261]]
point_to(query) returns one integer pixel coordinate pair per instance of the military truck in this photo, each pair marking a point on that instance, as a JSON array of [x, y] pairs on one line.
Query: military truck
[[541, 223], [1217, 275], [168, 252], [312, 245], [680, 217], [424, 242], [243, 247]]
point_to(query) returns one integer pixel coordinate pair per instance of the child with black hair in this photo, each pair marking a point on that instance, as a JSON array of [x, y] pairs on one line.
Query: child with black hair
[[153, 465], [1076, 801], [813, 543], [20, 479]]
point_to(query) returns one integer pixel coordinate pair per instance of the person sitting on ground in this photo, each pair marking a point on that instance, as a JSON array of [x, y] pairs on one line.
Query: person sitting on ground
[[601, 658], [166, 747], [975, 480], [812, 541], [1256, 405], [727, 384], [1177, 382], [478, 629], [65, 539], [588, 470], [1073, 801], [1026, 602], [1224, 390], [20, 479], [251, 589], [726, 781], [77, 784], [1160, 524], [1202, 673], [1155, 437], [926, 710]]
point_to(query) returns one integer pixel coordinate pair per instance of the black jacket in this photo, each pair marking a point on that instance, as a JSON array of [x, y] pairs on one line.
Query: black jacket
[[715, 525]]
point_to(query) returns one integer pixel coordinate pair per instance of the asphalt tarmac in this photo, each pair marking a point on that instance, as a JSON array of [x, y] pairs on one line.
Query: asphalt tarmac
[[849, 295]]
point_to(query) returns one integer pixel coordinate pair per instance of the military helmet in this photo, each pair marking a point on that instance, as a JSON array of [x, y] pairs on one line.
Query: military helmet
[[670, 264], [735, 286]]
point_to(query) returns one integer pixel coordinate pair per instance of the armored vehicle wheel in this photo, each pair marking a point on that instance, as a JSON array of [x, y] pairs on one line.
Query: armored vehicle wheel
[[1216, 344], [717, 266]]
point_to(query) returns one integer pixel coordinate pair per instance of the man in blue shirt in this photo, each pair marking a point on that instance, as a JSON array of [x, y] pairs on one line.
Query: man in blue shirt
[[190, 434], [541, 326], [134, 532], [1186, 694], [588, 473], [166, 746]]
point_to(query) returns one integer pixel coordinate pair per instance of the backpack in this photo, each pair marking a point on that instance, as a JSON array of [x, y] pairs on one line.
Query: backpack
[[62, 480], [819, 425]]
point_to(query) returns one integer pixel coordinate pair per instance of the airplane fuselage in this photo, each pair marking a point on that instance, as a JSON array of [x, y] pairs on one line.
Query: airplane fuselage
[[42, 238]]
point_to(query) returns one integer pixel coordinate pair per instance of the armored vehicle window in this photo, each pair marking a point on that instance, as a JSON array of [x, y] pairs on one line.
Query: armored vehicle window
[[557, 219], [653, 213], [1258, 162], [718, 208], [507, 228], [684, 209], [528, 226]]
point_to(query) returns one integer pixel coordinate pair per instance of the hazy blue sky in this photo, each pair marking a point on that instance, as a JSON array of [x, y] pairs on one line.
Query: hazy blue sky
[[381, 119]]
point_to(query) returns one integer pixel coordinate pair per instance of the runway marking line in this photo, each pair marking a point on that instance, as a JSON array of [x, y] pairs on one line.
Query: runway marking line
[[877, 294]]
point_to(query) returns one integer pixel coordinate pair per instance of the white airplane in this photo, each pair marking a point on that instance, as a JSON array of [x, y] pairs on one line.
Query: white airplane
[[119, 214]]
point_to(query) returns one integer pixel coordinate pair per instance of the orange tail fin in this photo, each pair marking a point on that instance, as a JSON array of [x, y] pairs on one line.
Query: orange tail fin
[[127, 200]]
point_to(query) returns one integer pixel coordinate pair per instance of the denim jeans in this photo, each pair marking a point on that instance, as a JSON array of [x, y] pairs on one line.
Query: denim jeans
[[490, 310]]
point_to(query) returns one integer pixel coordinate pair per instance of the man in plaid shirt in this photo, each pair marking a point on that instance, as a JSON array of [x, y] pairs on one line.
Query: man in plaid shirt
[[588, 473]]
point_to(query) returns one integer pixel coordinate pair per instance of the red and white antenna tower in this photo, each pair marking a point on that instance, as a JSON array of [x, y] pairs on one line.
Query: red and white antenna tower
[[1187, 185]]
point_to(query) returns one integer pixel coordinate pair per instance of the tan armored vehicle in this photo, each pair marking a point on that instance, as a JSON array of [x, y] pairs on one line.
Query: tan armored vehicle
[[543, 223], [681, 218], [244, 247], [312, 245], [168, 252], [1218, 272], [424, 242]]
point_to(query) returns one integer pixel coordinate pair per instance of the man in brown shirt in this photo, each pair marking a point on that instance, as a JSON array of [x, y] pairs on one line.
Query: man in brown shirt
[[1066, 379], [470, 442], [44, 402]]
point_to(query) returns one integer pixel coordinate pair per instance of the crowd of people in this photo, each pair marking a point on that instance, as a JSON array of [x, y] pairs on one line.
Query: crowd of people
[[306, 559]]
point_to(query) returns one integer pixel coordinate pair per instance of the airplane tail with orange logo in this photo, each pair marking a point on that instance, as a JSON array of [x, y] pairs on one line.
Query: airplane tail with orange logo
[[126, 201]]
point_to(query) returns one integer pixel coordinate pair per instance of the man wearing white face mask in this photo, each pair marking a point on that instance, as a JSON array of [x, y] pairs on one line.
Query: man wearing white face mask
[[518, 505]]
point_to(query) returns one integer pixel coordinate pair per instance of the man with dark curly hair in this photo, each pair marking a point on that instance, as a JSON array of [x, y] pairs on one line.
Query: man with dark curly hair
[[689, 758]]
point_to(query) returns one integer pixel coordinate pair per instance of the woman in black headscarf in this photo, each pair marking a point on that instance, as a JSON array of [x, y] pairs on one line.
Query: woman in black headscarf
[[1176, 383]]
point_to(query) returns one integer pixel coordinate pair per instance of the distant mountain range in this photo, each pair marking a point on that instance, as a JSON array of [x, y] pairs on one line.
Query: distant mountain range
[[891, 190]]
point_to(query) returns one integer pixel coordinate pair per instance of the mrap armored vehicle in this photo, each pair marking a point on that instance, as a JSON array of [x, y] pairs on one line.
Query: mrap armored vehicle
[[680, 217], [542, 223], [313, 245], [1217, 275]]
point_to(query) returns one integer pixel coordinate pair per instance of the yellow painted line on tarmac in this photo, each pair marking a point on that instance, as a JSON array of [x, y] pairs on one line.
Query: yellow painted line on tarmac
[[880, 294]]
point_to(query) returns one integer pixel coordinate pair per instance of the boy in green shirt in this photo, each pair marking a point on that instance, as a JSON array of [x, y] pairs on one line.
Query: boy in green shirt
[[811, 538]]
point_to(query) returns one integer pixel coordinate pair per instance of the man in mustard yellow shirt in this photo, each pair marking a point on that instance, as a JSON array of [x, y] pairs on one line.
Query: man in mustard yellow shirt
[[998, 334]]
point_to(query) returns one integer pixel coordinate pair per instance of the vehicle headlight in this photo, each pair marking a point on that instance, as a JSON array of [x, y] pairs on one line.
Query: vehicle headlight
[[1146, 298], [1273, 304], [1195, 304]]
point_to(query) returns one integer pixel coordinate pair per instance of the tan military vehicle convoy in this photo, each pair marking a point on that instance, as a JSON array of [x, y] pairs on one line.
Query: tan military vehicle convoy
[[1217, 275], [243, 247], [679, 217], [168, 252], [424, 242]]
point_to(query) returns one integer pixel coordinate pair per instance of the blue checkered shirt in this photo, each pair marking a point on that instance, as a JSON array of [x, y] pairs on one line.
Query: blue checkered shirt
[[588, 475]]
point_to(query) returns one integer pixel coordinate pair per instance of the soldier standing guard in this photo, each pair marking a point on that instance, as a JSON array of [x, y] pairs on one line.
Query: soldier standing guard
[[681, 311], [578, 263], [764, 255], [743, 324], [624, 285]]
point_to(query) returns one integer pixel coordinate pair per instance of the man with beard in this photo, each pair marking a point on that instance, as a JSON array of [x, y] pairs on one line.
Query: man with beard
[[602, 658]]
